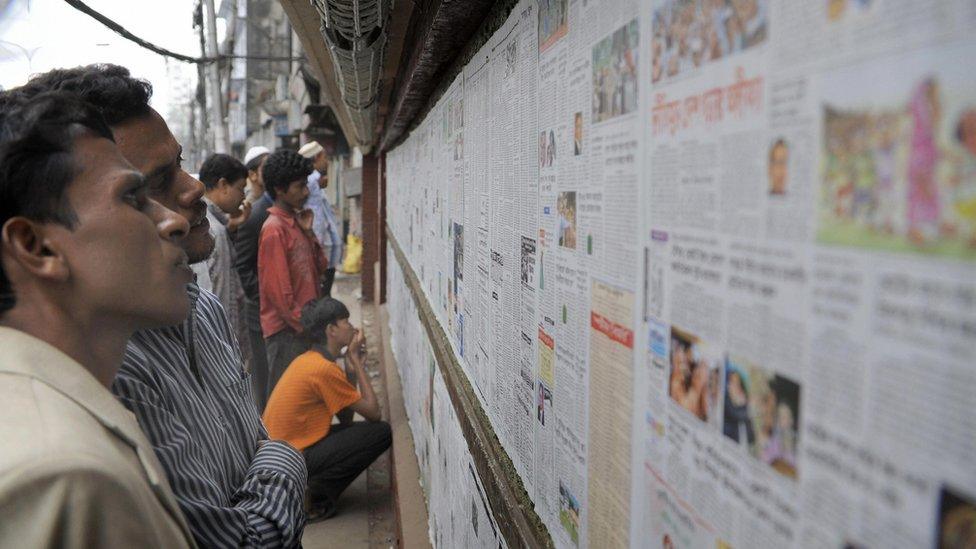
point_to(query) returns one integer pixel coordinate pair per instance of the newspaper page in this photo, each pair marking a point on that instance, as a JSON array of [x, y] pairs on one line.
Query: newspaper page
[[461, 517], [453, 131], [476, 252], [514, 190], [561, 385], [416, 367], [608, 215], [611, 365], [808, 276]]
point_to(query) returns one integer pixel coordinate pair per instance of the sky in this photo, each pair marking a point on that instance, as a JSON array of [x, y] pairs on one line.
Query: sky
[[60, 36]]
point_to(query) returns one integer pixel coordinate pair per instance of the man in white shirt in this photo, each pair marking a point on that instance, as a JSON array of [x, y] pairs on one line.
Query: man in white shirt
[[324, 224], [223, 177]]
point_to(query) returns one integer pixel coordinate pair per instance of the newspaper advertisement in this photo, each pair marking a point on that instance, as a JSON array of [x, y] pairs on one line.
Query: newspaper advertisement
[[611, 382]]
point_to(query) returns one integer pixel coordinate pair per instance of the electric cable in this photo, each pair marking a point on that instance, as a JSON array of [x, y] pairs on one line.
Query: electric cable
[[124, 33]]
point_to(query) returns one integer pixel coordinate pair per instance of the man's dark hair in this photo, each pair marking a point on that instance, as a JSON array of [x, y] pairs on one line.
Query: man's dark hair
[[110, 88], [219, 166], [319, 313], [255, 162], [36, 162], [282, 168]]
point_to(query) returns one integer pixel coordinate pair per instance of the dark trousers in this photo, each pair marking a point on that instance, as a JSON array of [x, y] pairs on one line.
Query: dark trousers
[[283, 347], [327, 281], [336, 460], [259, 355]]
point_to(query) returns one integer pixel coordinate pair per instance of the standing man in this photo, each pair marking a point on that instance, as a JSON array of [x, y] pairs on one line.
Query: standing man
[[223, 177], [253, 160], [290, 260], [324, 221], [246, 245], [79, 236], [186, 383]]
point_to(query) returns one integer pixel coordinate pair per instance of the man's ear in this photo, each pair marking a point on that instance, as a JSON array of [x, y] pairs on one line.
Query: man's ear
[[29, 245], [223, 184]]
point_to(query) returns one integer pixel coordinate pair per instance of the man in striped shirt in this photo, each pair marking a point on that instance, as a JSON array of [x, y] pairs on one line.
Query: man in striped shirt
[[185, 383]]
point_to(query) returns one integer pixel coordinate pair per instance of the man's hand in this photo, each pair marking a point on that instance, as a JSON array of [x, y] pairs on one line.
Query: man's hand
[[357, 348], [367, 406], [238, 219], [351, 374], [305, 218]]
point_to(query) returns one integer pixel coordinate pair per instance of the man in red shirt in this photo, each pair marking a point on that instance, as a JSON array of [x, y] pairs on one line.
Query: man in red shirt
[[291, 262]]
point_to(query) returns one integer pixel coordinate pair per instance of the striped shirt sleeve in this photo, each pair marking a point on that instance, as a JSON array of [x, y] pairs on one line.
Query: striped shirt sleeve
[[267, 508]]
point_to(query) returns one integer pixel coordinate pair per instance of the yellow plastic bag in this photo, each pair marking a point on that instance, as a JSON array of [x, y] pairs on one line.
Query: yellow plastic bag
[[354, 255]]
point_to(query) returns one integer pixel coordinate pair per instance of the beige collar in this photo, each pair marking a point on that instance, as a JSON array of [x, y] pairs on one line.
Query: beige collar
[[25, 355]]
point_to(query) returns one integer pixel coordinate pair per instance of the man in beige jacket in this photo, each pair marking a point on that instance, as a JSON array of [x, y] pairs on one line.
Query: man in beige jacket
[[85, 259]]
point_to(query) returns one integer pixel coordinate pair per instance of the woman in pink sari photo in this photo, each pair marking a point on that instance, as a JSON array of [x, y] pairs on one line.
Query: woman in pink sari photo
[[923, 190]]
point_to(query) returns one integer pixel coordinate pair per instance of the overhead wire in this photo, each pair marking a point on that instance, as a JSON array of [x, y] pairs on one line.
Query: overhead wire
[[125, 33]]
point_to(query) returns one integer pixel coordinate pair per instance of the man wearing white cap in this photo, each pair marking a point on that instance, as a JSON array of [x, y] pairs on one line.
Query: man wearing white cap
[[246, 245], [253, 160], [324, 223]]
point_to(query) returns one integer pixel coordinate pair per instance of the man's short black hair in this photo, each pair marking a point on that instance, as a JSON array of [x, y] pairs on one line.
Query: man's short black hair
[[282, 168], [218, 166], [319, 313], [36, 162], [110, 88]]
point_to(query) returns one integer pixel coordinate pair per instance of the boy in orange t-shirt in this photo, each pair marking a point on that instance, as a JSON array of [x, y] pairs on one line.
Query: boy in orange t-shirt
[[312, 391]]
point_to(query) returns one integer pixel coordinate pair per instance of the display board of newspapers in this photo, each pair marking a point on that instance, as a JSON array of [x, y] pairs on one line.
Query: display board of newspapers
[[459, 511], [710, 267]]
